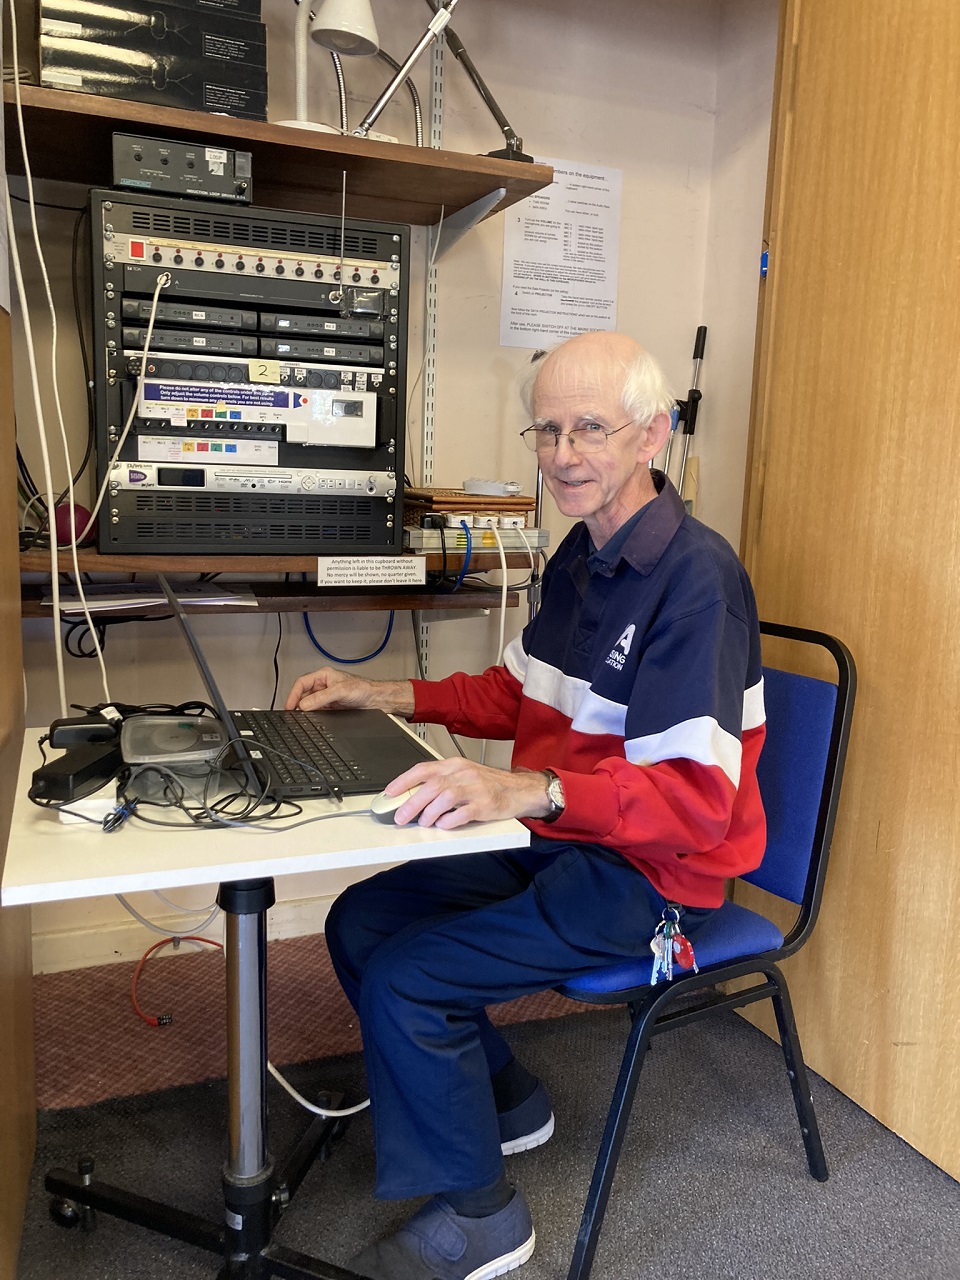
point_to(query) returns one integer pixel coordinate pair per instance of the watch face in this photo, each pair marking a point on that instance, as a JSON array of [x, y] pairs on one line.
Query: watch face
[[555, 794]]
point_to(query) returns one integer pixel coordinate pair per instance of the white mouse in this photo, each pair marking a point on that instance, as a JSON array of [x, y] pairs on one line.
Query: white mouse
[[383, 807]]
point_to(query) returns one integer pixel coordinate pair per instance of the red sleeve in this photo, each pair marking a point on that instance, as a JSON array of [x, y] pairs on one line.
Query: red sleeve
[[484, 706]]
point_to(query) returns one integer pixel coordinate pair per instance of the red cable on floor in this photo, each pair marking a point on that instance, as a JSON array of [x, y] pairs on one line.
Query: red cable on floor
[[161, 1019]]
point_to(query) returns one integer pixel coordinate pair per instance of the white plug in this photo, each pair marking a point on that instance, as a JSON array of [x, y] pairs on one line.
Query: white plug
[[453, 520], [513, 522], [485, 521]]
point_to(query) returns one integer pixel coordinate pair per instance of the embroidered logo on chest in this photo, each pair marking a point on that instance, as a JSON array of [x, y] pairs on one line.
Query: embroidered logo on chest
[[617, 655]]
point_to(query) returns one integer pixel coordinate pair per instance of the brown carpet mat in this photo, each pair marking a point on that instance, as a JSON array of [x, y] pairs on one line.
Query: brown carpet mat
[[90, 1045]]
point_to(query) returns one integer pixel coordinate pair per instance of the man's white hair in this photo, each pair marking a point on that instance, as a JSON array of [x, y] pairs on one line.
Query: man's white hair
[[645, 391]]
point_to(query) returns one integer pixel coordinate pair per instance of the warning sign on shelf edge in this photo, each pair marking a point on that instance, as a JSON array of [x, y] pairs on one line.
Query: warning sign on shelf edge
[[371, 571]]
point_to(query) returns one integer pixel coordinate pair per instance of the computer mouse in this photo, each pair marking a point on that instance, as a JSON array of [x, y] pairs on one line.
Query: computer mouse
[[383, 807]]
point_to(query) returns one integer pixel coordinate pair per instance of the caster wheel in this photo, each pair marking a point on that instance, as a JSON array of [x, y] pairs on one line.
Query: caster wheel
[[65, 1213]]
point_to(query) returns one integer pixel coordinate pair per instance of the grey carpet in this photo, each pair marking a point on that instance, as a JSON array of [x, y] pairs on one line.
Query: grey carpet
[[713, 1182]]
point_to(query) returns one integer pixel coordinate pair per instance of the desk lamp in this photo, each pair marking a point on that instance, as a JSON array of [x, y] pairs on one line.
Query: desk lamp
[[347, 27], [514, 144], [342, 26]]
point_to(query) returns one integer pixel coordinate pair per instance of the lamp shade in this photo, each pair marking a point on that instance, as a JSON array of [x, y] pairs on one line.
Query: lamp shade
[[346, 27]]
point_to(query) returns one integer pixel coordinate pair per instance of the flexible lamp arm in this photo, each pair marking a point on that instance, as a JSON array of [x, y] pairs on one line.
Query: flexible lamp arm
[[514, 148], [301, 51], [437, 23]]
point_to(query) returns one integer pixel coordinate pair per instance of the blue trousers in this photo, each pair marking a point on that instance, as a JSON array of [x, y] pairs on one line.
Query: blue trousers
[[421, 949]]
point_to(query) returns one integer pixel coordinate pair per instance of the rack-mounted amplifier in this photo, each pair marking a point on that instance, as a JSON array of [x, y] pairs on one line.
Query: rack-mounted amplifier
[[271, 413]]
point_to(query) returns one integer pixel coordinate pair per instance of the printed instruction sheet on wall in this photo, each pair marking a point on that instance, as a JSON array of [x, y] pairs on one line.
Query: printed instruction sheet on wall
[[560, 253]]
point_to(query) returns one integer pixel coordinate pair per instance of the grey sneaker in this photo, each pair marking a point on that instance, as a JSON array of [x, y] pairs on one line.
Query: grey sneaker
[[438, 1244], [527, 1126]]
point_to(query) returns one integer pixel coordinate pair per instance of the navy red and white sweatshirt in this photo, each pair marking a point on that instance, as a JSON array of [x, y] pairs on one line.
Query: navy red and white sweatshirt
[[638, 682]]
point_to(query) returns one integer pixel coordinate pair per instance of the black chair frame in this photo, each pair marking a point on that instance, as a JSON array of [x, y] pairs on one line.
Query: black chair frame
[[652, 1009]]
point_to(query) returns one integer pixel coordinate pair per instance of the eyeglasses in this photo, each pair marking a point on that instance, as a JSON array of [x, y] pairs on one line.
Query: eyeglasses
[[590, 438]]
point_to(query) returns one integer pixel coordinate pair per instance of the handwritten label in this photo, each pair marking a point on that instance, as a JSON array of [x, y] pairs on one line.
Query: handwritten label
[[264, 371]]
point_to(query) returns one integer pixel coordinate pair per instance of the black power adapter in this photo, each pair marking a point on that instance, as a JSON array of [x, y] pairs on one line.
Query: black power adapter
[[75, 730], [77, 773]]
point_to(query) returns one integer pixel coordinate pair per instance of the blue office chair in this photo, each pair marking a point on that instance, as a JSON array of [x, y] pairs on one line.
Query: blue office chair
[[800, 770]]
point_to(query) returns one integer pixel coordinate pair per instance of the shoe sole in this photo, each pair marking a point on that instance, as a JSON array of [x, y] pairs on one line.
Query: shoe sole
[[507, 1262], [526, 1143]]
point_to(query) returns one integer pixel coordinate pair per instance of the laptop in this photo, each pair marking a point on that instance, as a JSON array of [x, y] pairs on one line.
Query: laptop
[[307, 754]]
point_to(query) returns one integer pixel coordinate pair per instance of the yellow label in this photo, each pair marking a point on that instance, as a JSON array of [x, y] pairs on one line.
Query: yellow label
[[264, 371]]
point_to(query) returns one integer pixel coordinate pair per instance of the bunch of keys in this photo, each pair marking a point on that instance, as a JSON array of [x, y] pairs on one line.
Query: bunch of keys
[[670, 947]]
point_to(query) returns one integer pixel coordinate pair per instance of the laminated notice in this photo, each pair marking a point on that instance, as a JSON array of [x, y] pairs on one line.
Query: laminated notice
[[371, 571]]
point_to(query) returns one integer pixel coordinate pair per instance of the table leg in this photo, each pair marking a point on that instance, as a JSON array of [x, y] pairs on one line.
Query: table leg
[[250, 1208], [253, 1198]]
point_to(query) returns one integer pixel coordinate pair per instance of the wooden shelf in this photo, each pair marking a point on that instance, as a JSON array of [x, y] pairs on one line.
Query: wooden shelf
[[295, 597], [274, 596], [91, 561], [69, 138]]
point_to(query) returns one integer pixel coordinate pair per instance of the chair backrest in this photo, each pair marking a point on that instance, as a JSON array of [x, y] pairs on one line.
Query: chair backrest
[[799, 773]]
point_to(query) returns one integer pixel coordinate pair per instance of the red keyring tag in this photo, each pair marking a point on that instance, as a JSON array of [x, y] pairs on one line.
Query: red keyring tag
[[683, 955]]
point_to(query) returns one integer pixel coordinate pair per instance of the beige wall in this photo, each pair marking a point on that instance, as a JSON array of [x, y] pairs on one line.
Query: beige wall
[[676, 93]]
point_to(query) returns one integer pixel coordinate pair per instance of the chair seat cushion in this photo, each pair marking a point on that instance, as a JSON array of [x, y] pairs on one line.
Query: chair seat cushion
[[731, 933]]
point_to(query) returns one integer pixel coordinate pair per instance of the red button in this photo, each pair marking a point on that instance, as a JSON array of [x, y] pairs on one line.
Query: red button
[[137, 249]]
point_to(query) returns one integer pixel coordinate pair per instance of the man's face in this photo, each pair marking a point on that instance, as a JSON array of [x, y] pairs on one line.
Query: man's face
[[605, 488]]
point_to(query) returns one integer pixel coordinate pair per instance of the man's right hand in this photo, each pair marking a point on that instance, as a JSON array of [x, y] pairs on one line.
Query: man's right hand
[[331, 690]]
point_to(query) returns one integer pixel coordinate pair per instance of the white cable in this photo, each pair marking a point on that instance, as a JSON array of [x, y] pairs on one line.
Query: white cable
[[187, 911], [526, 543], [504, 586], [317, 1111], [41, 427], [166, 933], [44, 451], [503, 593], [163, 279], [54, 386], [37, 497]]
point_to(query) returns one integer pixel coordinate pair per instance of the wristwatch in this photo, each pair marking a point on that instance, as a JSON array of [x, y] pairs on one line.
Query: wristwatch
[[555, 795]]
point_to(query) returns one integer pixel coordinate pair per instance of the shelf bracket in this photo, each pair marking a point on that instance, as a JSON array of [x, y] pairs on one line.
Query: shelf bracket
[[451, 229]]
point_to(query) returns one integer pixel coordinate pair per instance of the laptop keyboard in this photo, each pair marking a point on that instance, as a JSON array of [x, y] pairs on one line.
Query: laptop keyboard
[[299, 738]]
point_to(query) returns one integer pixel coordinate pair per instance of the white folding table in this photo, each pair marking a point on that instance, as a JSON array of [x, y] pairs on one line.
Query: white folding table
[[49, 861]]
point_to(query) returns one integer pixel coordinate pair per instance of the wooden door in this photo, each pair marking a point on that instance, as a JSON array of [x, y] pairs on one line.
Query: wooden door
[[852, 523], [17, 1122]]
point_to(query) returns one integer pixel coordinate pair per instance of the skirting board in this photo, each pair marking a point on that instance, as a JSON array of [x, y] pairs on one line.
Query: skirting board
[[67, 949]]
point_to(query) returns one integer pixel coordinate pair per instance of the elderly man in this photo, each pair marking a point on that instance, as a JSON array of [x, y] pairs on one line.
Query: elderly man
[[634, 700]]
